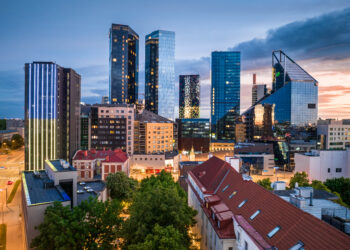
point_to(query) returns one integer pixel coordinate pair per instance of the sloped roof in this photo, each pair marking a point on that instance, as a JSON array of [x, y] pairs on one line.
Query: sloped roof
[[113, 156], [295, 224]]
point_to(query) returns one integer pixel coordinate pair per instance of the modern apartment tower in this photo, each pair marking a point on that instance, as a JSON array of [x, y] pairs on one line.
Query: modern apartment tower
[[52, 111], [294, 93], [225, 93], [160, 73], [189, 96], [123, 64]]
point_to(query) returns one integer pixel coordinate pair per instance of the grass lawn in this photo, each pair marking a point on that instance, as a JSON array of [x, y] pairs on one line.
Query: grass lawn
[[3, 236], [13, 192]]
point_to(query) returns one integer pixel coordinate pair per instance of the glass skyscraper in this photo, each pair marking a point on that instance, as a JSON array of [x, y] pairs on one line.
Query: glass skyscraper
[[123, 64], [225, 93], [189, 96], [160, 73], [52, 124], [295, 92]]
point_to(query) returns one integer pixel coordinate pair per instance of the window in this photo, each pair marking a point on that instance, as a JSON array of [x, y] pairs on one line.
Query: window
[[226, 187], [273, 232], [233, 194], [329, 170], [338, 170], [245, 245], [238, 236], [255, 214], [242, 203], [298, 246]]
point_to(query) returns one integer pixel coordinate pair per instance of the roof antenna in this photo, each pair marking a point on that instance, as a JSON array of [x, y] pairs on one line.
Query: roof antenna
[[311, 194]]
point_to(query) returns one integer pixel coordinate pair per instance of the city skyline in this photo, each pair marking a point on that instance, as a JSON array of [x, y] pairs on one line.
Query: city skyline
[[327, 58]]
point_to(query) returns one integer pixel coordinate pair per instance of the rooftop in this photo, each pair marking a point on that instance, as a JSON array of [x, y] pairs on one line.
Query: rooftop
[[116, 155], [38, 189], [150, 117], [97, 186], [59, 165], [244, 198]]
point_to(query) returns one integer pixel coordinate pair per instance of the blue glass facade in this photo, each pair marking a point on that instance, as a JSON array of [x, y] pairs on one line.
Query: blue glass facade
[[123, 64], [295, 92], [160, 73], [225, 93]]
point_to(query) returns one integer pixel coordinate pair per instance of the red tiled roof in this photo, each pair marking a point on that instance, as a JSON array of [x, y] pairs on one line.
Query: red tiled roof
[[113, 156], [296, 225]]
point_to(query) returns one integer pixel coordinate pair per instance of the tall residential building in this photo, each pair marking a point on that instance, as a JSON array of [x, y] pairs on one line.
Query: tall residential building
[[225, 93], [52, 111], [189, 96], [295, 92], [160, 73], [112, 127], [258, 91], [123, 64], [333, 134]]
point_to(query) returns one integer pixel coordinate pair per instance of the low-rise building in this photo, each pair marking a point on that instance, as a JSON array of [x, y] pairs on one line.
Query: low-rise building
[[324, 164], [236, 213], [7, 134], [222, 145], [97, 164], [144, 165], [333, 134], [58, 182]]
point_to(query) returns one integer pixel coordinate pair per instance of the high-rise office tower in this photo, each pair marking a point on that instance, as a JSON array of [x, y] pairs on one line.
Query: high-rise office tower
[[258, 91], [52, 111], [123, 64], [225, 93], [160, 73], [189, 96], [295, 92]]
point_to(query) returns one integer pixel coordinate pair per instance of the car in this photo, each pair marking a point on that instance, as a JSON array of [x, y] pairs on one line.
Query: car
[[9, 182], [90, 190], [87, 187], [82, 183], [80, 191]]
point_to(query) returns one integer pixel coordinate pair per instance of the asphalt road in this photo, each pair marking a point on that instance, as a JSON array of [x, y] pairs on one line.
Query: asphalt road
[[12, 214]]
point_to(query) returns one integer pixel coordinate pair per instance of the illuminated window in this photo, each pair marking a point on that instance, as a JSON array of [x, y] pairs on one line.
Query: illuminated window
[[114, 59]]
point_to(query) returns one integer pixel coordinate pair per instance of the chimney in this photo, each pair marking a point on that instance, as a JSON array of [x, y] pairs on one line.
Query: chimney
[[254, 78], [311, 194]]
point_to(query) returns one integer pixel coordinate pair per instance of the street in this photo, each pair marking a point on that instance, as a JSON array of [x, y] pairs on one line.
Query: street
[[11, 214]]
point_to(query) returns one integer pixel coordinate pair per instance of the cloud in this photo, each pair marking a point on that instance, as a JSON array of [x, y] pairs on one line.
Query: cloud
[[325, 37], [199, 66]]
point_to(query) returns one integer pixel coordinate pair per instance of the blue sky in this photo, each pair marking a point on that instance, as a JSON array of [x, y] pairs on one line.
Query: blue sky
[[75, 34]]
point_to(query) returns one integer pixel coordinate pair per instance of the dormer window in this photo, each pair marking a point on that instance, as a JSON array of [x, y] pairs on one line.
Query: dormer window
[[242, 203], [255, 214], [226, 187], [273, 232], [298, 246], [232, 194]]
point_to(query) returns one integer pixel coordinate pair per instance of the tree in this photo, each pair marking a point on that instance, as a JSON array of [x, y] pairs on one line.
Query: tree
[[91, 225], [160, 239], [120, 186], [320, 186], [301, 178], [341, 186], [17, 141], [266, 183], [161, 201]]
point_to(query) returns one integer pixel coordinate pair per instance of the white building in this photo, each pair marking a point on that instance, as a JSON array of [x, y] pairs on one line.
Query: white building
[[324, 164], [333, 134]]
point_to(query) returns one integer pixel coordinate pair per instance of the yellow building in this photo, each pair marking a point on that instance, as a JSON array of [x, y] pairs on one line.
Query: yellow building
[[222, 145], [153, 134]]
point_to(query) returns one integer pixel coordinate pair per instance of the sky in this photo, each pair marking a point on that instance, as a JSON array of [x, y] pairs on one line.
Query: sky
[[74, 34]]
